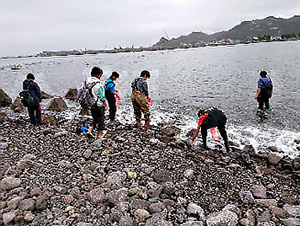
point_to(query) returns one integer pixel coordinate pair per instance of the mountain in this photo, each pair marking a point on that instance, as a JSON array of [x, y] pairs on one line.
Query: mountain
[[270, 26]]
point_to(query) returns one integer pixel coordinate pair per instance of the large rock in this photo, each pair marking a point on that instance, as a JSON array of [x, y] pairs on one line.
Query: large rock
[[9, 183], [45, 95], [49, 120], [162, 176], [259, 191], [27, 204], [273, 159], [195, 210], [17, 106], [5, 100], [96, 196], [292, 210], [58, 104], [71, 94], [8, 217], [223, 218]]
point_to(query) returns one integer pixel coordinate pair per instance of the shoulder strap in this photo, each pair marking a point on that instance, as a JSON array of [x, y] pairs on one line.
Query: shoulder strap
[[264, 84]]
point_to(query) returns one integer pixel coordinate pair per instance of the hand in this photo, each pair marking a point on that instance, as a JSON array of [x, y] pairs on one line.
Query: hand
[[191, 143], [256, 97], [106, 107]]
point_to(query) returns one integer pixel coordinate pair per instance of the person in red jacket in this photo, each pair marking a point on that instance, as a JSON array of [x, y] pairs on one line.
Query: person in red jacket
[[208, 118]]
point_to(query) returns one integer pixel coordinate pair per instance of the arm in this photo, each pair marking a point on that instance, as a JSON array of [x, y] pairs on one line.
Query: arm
[[145, 88], [195, 135], [258, 92], [101, 94]]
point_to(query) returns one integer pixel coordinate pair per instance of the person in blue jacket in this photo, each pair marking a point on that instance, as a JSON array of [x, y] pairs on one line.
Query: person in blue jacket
[[264, 91], [110, 93], [35, 112]]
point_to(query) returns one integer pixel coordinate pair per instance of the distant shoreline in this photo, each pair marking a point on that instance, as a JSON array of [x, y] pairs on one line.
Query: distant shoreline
[[139, 49]]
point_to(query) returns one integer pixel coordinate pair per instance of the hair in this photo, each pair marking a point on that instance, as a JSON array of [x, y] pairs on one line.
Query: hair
[[263, 73], [96, 71], [145, 73], [114, 73], [30, 76]]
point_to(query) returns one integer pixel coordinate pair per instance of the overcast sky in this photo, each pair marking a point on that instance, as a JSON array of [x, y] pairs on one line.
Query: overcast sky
[[31, 26]]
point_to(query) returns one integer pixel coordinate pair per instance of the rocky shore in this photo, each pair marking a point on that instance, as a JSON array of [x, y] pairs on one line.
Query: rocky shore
[[49, 175]]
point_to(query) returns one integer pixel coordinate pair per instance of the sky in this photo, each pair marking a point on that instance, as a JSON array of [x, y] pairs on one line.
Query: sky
[[31, 26]]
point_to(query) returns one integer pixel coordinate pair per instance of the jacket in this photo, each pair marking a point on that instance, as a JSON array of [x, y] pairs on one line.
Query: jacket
[[97, 90], [110, 85], [140, 84], [34, 89]]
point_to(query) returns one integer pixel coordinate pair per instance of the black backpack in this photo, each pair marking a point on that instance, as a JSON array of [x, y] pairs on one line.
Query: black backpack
[[26, 97], [266, 89]]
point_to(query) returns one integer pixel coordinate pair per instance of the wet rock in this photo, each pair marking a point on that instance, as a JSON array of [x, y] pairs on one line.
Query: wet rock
[[273, 148], [5, 100], [9, 217], [58, 104], [17, 106], [191, 133], [259, 191], [27, 204], [195, 210], [9, 183], [274, 159], [71, 94], [141, 214], [249, 149], [96, 195], [171, 131], [223, 218]]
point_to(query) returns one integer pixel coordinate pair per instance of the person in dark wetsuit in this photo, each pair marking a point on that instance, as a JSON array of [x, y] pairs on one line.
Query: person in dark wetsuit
[[35, 112], [264, 91], [110, 93], [208, 118]]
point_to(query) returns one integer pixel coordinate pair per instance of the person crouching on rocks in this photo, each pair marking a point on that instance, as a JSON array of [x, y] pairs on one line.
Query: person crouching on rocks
[[208, 118], [99, 107], [34, 110], [139, 99], [110, 93]]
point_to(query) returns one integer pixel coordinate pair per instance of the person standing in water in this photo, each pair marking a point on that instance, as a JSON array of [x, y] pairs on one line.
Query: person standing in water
[[264, 91]]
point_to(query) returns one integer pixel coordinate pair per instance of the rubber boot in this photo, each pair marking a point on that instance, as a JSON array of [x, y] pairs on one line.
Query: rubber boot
[[147, 125], [227, 146]]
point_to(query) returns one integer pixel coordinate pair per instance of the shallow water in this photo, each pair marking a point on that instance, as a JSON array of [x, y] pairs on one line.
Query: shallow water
[[182, 81]]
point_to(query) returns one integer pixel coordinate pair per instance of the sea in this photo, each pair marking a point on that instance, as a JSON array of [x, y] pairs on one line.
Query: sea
[[182, 82]]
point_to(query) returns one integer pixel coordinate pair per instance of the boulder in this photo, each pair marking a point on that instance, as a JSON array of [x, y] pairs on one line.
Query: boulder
[[49, 120], [223, 218], [5, 100], [9, 183], [8, 217], [259, 191], [17, 106], [45, 95], [58, 104], [273, 159], [85, 111], [195, 210], [71, 94]]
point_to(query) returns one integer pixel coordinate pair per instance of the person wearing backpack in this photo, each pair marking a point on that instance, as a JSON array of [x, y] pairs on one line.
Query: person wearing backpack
[[140, 99], [209, 118], [99, 106], [34, 99], [264, 91], [110, 93]]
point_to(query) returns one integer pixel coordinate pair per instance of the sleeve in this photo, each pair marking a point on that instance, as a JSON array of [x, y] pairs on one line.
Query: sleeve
[[101, 94], [260, 84], [38, 92], [145, 87], [111, 86], [202, 118]]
